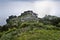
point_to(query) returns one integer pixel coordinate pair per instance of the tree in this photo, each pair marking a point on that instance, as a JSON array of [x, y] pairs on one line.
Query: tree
[[10, 17], [54, 20], [0, 28]]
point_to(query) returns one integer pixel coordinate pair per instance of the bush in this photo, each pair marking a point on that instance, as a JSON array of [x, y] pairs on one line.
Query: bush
[[24, 25], [49, 27], [58, 25]]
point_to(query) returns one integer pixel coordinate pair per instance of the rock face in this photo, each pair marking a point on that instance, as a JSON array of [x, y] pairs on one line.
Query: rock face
[[28, 16]]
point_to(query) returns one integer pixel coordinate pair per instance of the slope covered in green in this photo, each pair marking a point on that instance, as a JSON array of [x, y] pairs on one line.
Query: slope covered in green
[[35, 34], [32, 31], [40, 35], [28, 26]]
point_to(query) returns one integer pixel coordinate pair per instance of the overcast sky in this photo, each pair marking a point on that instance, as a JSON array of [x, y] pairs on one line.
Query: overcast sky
[[16, 7]]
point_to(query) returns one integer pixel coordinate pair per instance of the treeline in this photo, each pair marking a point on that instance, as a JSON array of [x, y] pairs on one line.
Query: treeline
[[53, 20]]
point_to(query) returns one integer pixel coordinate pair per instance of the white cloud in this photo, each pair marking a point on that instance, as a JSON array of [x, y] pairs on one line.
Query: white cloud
[[47, 7], [40, 7], [13, 8]]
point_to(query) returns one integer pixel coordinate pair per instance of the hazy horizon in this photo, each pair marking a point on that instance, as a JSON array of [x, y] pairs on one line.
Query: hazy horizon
[[16, 7]]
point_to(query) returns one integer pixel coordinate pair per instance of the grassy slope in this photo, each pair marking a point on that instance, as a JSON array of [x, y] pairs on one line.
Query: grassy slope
[[35, 34], [32, 31], [40, 35]]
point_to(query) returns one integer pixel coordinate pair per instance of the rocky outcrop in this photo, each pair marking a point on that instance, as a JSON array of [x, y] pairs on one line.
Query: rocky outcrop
[[28, 16]]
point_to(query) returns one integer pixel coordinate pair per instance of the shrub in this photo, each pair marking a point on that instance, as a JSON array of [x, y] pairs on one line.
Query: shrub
[[49, 27]]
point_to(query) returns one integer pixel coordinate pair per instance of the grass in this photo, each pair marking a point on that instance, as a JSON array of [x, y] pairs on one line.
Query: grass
[[32, 31], [40, 35]]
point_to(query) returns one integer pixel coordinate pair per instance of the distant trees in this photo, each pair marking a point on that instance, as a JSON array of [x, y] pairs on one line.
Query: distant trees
[[0, 28], [51, 20], [10, 17], [12, 21]]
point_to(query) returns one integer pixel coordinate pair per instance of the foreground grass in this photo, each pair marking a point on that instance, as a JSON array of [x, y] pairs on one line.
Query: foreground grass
[[35, 34], [40, 35]]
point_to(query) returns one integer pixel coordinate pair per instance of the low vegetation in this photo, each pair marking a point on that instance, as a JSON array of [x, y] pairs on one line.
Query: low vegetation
[[28, 26]]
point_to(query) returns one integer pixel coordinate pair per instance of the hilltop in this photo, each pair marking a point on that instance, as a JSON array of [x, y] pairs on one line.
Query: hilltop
[[28, 26]]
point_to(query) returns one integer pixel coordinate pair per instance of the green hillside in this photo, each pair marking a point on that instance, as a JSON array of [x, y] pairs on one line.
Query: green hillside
[[28, 26]]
